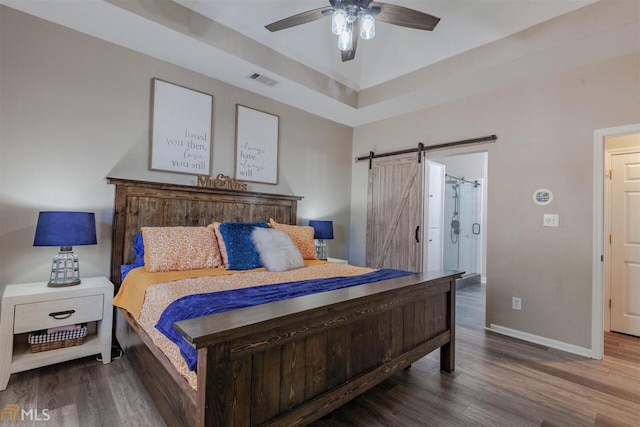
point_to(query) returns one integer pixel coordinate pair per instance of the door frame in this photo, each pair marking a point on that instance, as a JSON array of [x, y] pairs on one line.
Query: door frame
[[426, 187], [598, 279], [450, 153]]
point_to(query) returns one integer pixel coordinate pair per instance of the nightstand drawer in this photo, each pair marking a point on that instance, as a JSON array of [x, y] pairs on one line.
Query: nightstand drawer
[[49, 314]]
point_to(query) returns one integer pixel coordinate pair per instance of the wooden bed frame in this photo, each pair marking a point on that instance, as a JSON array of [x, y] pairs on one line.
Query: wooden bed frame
[[284, 363]]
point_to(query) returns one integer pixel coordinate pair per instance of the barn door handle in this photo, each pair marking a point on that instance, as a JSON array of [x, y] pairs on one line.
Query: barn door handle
[[417, 236]]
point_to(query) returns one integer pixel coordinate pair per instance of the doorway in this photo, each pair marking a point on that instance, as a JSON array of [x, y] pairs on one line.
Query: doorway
[[464, 236], [601, 268]]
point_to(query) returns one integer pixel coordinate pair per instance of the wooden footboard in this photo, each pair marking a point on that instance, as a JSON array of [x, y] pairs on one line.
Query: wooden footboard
[[293, 361]]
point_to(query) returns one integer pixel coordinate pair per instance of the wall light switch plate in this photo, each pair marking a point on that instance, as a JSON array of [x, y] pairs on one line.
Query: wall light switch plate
[[550, 220], [516, 303]]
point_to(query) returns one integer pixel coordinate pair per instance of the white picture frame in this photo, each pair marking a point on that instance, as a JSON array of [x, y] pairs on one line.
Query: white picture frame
[[181, 129], [257, 135]]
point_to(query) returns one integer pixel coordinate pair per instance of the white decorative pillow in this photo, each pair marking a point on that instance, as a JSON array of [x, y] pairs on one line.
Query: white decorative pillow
[[277, 250]]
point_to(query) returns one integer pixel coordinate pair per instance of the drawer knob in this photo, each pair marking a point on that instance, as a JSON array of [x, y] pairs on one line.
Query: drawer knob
[[59, 315]]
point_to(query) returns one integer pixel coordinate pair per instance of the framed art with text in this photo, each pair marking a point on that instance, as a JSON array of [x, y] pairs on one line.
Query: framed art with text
[[256, 145], [181, 125]]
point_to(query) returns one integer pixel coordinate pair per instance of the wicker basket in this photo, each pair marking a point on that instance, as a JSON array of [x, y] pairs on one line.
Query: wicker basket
[[54, 345], [45, 342]]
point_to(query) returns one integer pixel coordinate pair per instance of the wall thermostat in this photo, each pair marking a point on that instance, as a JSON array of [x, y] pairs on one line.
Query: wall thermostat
[[542, 196]]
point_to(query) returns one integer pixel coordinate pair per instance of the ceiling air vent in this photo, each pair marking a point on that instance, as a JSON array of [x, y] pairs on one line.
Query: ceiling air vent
[[262, 79]]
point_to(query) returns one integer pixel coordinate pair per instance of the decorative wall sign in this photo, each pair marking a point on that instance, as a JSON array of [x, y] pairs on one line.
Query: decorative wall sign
[[221, 181], [181, 128], [256, 145], [542, 196]]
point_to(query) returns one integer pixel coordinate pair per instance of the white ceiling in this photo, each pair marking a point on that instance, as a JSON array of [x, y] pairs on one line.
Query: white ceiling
[[394, 51], [401, 70]]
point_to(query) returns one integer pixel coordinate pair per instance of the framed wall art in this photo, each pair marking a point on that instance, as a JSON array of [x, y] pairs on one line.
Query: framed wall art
[[257, 136], [181, 125]]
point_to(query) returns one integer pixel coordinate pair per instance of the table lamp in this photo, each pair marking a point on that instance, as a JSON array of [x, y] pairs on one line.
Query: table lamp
[[65, 229], [323, 230]]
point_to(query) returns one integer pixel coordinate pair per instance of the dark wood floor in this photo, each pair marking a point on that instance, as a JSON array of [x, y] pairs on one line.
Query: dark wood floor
[[499, 381]]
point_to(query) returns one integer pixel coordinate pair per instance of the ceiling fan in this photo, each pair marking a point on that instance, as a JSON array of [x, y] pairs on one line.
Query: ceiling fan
[[350, 17]]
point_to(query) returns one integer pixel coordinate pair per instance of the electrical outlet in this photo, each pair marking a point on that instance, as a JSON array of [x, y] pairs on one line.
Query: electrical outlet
[[516, 303], [550, 220]]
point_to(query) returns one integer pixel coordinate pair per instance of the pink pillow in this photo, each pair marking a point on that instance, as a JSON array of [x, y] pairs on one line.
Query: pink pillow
[[215, 226], [302, 236], [179, 248]]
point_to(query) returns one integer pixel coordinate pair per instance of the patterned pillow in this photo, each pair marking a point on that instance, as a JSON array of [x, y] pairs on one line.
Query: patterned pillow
[[241, 252], [277, 250], [215, 226], [179, 248], [302, 236]]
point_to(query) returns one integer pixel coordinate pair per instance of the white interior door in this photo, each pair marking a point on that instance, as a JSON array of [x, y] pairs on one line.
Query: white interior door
[[625, 243], [434, 218]]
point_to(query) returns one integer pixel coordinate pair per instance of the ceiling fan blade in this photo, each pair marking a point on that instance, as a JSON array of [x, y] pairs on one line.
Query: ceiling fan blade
[[348, 55], [301, 18], [405, 17]]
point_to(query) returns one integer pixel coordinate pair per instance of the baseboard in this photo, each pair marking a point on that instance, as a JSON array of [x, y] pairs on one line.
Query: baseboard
[[547, 342], [483, 280]]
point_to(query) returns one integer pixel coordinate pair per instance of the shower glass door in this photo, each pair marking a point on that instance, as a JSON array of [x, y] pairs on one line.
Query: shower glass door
[[462, 213]]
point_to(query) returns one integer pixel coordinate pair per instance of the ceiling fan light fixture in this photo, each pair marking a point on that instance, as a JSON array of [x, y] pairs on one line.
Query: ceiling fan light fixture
[[359, 17], [367, 26], [345, 39], [338, 22]]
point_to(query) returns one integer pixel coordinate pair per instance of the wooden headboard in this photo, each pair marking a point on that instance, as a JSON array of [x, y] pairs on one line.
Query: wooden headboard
[[147, 204]]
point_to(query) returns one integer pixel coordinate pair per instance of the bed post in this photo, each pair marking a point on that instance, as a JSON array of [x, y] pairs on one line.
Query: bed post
[[448, 351], [213, 370], [118, 234]]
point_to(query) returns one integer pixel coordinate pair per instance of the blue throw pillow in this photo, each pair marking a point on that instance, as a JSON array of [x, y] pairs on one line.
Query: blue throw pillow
[[138, 247], [241, 252]]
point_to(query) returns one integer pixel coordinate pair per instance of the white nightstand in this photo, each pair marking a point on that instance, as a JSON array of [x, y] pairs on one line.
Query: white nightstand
[[337, 260], [34, 306]]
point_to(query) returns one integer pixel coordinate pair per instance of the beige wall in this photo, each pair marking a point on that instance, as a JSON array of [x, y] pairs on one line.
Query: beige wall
[[74, 110], [545, 139]]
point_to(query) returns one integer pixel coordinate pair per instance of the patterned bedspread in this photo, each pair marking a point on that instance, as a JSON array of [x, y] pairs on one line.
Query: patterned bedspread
[[198, 305], [159, 296]]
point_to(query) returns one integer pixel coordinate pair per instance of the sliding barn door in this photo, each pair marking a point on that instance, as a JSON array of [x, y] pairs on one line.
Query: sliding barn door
[[394, 213]]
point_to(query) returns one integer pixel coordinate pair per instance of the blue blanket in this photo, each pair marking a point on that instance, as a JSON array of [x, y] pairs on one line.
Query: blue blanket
[[198, 305]]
